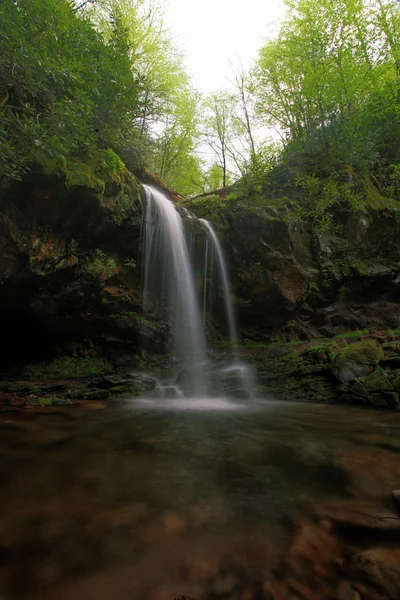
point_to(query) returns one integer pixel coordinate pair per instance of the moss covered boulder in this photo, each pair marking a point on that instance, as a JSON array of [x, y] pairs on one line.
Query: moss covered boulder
[[356, 360]]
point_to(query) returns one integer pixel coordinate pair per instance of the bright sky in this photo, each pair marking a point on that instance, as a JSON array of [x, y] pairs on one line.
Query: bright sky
[[217, 33]]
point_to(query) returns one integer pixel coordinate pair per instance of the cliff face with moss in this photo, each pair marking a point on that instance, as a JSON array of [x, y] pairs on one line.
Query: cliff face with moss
[[291, 279], [68, 271]]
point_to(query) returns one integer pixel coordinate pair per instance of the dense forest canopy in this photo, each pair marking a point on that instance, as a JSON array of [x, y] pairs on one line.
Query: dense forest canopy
[[89, 89]]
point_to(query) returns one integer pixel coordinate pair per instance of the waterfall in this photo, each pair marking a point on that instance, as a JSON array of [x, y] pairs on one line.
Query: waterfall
[[233, 333], [168, 274], [242, 373], [169, 281]]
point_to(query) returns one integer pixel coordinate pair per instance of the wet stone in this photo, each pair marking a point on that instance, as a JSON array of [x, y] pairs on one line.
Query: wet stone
[[396, 499]]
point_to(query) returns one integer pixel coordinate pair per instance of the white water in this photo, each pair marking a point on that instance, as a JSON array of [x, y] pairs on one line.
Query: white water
[[168, 273], [233, 332], [169, 281]]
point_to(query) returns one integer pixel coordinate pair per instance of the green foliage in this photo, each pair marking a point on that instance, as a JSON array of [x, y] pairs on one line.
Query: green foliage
[[349, 265], [84, 93], [67, 367], [319, 198], [130, 262], [321, 354], [101, 266], [329, 85]]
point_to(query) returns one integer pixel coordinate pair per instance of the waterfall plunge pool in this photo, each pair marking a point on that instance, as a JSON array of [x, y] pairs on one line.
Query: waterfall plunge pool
[[158, 498]]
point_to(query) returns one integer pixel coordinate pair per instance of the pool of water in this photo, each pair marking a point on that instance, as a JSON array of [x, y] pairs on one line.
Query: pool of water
[[153, 499]]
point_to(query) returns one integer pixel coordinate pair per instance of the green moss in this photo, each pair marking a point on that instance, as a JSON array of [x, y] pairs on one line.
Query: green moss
[[67, 367], [127, 314], [46, 401], [367, 352], [80, 174], [352, 334], [321, 354]]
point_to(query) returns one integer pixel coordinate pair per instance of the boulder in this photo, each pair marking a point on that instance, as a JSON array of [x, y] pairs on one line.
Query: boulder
[[355, 360], [359, 390], [378, 568], [378, 381]]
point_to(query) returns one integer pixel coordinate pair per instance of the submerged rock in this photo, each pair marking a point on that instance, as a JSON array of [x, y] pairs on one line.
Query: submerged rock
[[378, 568]]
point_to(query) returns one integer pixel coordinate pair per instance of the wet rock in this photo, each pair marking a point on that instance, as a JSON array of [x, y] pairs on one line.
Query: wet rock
[[346, 592], [96, 395], [122, 389], [274, 590], [107, 382], [391, 399], [314, 551], [173, 524], [358, 516], [200, 570], [349, 371], [396, 384], [161, 593], [143, 382], [352, 399], [377, 400], [170, 592], [377, 381], [224, 586], [359, 390], [392, 362], [169, 524], [396, 499], [378, 568], [279, 351]]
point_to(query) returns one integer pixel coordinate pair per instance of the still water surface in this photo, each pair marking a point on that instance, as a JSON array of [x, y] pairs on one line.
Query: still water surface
[[136, 500]]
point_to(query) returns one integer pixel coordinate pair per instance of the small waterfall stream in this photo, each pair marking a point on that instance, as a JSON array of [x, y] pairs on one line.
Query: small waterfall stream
[[233, 332], [169, 278], [168, 271]]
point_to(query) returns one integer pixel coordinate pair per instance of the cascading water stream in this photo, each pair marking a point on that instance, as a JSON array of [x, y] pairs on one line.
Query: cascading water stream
[[243, 372], [169, 281], [168, 273], [233, 333]]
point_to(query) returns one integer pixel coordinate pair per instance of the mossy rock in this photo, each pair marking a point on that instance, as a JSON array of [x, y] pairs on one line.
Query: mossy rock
[[47, 402], [377, 400], [121, 389], [96, 395], [385, 399], [68, 367], [355, 360], [378, 381], [396, 384], [366, 352], [348, 398], [359, 390]]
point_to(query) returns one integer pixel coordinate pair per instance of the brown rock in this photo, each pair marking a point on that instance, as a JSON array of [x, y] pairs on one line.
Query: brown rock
[[161, 593], [396, 499], [274, 590], [302, 591], [200, 570], [366, 592], [315, 552], [378, 568], [356, 514], [223, 586], [346, 592], [173, 524]]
